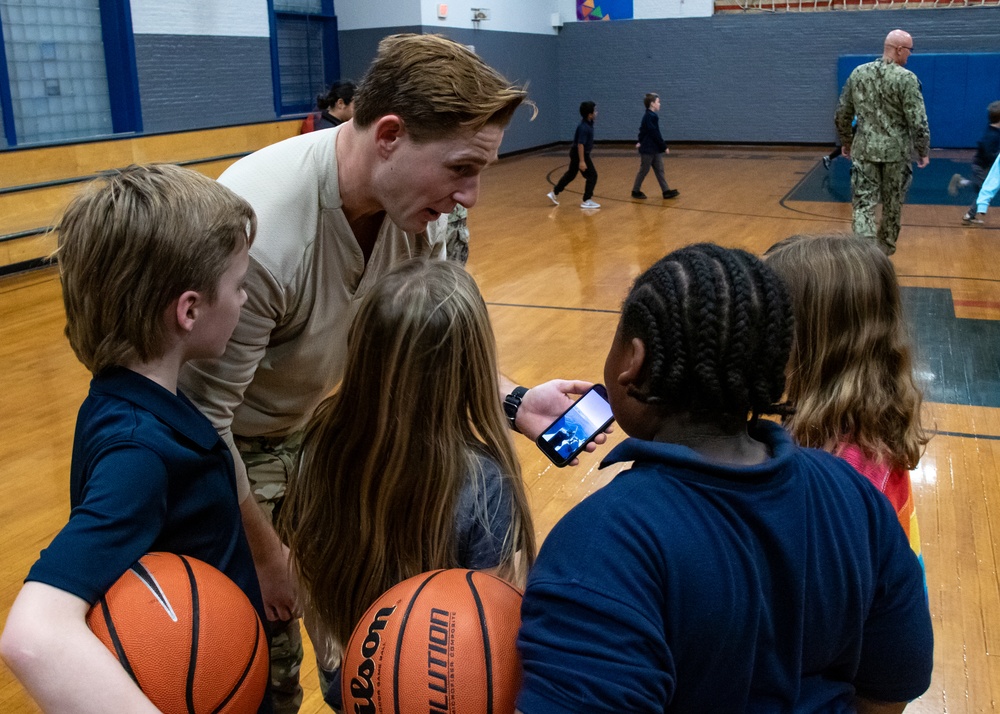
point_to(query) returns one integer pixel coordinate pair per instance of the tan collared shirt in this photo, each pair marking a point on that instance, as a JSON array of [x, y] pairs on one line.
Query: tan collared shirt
[[307, 275]]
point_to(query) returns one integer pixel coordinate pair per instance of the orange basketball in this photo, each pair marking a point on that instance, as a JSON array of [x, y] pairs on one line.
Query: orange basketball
[[186, 634], [443, 641]]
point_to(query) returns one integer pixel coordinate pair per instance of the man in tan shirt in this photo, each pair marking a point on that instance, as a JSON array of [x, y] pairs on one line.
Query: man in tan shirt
[[336, 209]]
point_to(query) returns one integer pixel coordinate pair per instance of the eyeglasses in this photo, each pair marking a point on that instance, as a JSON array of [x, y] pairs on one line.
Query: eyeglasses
[[905, 47]]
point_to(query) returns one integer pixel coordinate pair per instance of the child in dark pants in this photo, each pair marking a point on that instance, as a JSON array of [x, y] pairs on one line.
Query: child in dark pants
[[651, 148], [579, 153], [986, 153], [728, 570]]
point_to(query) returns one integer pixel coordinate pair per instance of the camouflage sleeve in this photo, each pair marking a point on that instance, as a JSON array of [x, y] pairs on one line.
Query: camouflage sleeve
[[436, 237], [458, 235], [916, 116], [845, 113]]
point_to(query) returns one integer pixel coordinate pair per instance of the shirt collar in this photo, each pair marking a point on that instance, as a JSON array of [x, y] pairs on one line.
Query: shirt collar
[[175, 410], [777, 440]]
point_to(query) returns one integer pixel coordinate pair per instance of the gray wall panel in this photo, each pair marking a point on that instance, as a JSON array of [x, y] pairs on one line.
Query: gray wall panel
[[521, 57], [199, 81], [740, 78], [358, 48]]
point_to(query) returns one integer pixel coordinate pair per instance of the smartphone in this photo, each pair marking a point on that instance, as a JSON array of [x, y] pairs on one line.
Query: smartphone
[[570, 433]]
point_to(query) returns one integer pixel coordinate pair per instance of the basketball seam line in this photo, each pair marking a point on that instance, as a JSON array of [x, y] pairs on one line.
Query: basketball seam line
[[515, 589], [246, 671], [116, 641], [399, 641], [486, 641], [195, 628]]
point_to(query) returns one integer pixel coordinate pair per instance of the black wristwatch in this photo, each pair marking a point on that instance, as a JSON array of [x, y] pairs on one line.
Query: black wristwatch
[[511, 403]]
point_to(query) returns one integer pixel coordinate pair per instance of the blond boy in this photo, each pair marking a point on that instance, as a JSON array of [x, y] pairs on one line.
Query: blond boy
[[152, 261]]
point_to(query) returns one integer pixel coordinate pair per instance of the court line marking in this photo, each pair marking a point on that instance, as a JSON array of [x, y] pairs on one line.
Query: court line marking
[[555, 307], [813, 217], [976, 303], [675, 207], [944, 277], [960, 303], [958, 223], [962, 434], [781, 202]]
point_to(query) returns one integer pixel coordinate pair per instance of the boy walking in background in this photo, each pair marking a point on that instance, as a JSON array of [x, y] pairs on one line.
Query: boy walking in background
[[651, 148], [579, 153], [986, 153], [152, 261]]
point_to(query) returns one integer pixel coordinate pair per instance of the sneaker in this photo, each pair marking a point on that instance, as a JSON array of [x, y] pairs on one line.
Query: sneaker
[[671, 193], [972, 219], [592, 204], [639, 194], [826, 163], [954, 184], [552, 197]]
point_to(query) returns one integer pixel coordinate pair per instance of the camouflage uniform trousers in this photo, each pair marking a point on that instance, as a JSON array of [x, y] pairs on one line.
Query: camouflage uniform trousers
[[270, 461], [873, 182]]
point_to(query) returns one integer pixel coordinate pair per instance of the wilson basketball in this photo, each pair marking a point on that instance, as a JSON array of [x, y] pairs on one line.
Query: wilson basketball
[[186, 634], [443, 641]]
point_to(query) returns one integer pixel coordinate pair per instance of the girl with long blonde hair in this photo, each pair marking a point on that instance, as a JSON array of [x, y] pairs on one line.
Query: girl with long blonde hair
[[850, 376], [409, 465]]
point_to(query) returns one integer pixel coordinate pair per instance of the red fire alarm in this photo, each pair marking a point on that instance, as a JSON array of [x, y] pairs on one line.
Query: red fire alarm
[[442, 11]]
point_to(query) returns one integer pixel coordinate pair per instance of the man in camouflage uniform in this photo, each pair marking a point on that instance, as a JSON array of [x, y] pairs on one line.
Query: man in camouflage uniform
[[892, 124]]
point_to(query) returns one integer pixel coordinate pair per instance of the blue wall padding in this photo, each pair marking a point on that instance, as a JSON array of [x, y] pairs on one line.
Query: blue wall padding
[[957, 88]]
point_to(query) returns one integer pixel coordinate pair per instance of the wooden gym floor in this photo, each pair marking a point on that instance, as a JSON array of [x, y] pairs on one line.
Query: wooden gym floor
[[554, 277]]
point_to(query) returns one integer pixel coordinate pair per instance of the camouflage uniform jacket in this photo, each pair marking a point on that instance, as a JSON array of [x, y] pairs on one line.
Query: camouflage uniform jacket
[[889, 104]]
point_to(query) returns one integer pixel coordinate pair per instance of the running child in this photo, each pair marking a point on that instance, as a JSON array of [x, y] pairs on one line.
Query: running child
[[987, 150]]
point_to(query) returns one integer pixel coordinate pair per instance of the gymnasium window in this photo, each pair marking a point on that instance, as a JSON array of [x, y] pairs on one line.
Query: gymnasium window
[[304, 51], [66, 70]]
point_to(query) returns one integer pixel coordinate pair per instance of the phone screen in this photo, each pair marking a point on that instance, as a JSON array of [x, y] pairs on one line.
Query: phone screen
[[569, 434]]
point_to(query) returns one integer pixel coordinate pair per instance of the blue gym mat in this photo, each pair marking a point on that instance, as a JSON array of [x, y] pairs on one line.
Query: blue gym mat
[[930, 184], [957, 358]]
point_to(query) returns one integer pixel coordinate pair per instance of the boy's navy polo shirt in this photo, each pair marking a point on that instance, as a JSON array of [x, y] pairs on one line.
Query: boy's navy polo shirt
[[584, 135], [149, 473]]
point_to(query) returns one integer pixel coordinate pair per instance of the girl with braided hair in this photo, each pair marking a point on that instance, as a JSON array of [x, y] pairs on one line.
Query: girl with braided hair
[[728, 569], [851, 374]]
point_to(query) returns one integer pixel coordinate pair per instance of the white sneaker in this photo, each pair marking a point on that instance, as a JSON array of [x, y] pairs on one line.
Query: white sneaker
[[552, 197], [590, 204], [957, 181]]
